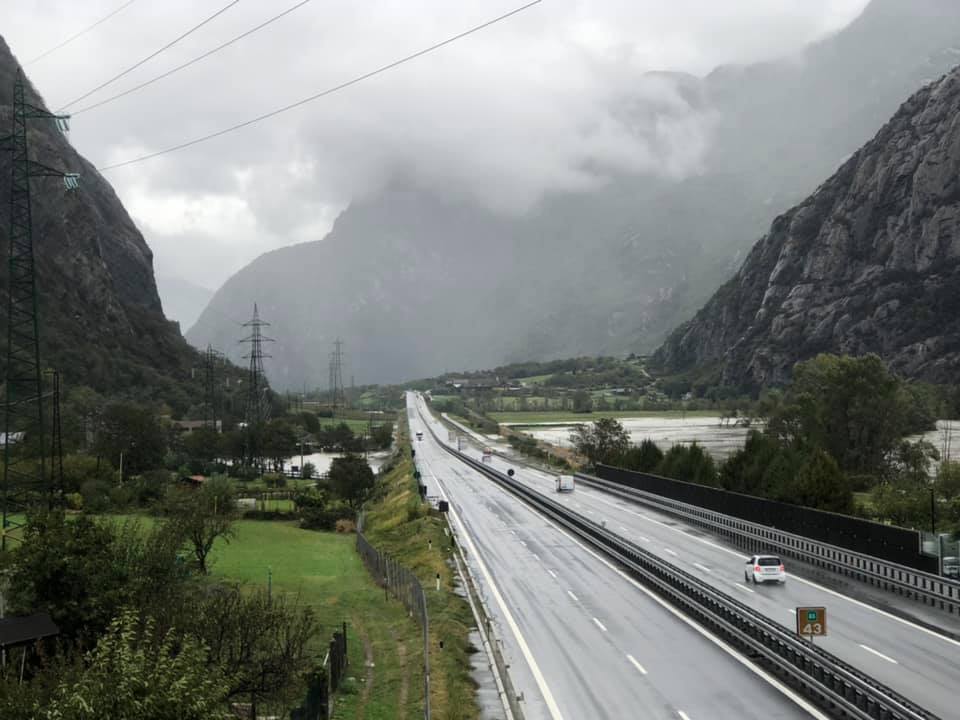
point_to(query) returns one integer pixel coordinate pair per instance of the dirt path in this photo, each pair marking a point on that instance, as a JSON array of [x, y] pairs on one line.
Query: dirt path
[[404, 681], [368, 675]]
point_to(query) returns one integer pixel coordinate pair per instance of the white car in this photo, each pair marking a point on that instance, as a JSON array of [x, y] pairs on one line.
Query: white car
[[764, 568]]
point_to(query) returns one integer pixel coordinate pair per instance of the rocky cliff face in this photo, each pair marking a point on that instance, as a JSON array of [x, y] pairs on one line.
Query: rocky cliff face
[[869, 263], [101, 320]]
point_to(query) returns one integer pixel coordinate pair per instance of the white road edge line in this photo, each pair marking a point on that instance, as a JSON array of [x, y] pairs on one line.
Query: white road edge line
[[538, 677], [595, 494], [600, 625], [878, 654], [638, 666]]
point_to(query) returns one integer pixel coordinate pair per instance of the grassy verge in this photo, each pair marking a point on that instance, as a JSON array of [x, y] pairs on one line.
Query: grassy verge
[[400, 524], [571, 417], [324, 570]]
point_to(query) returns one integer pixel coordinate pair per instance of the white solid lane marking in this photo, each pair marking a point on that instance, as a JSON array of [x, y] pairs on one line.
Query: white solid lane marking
[[638, 666], [552, 574], [538, 677], [575, 599], [600, 625], [702, 567], [879, 654], [743, 587], [668, 550], [594, 495]]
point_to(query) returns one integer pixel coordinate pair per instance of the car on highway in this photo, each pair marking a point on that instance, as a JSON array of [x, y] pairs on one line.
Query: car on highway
[[764, 568], [419, 436], [951, 567]]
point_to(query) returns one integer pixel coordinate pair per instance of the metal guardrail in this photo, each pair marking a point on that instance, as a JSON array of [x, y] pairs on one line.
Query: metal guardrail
[[820, 676], [929, 589], [405, 587]]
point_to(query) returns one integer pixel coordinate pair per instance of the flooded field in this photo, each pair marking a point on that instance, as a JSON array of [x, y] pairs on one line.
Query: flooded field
[[322, 461], [718, 438]]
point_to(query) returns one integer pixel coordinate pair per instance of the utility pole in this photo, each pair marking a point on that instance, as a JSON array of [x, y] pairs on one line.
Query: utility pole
[[257, 410], [25, 481]]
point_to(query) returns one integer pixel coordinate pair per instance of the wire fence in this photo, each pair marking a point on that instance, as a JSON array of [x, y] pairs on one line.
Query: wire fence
[[400, 582], [318, 702]]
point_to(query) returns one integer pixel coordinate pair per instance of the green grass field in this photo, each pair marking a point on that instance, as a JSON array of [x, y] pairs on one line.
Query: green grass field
[[559, 416], [325, 572]]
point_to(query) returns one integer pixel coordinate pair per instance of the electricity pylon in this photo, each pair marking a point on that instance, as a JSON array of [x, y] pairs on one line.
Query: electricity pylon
[[25, 479], [212, 405], [257, 409], [337, 396]]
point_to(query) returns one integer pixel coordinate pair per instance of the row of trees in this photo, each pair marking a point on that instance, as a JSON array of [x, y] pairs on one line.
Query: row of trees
[[839, 427]]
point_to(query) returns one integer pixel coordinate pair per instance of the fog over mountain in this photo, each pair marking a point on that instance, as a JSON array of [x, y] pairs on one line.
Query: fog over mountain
[[417, 280]]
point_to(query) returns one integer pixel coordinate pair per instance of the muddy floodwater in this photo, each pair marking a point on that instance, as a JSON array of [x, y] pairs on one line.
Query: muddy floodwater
[[720, 439]]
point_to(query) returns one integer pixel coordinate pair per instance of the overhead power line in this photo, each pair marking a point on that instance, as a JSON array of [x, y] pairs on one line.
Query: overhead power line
[[151, 55], [197, 59], [83, 32], [323, 93]]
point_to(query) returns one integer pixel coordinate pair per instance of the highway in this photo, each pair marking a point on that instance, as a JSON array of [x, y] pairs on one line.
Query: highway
[[913, 660], [583, 639]]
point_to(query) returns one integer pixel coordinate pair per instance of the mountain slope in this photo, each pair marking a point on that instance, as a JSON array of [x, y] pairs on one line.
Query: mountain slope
[[183, 301], [602, 272], [101, 320], [869, 263]]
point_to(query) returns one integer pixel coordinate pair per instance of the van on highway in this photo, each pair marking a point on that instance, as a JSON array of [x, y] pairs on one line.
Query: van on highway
[[419, 436], [951, 567], [564, 483]]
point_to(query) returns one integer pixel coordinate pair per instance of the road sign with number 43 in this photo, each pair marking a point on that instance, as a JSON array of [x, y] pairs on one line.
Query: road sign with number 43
[[811, 621]]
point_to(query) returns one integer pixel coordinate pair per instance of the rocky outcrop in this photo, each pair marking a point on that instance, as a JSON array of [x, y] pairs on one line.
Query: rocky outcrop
[[101, 320], [870, 263]]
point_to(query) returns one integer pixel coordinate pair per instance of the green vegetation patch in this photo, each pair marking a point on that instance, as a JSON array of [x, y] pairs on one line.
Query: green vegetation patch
[[324, 570], [403, 526]]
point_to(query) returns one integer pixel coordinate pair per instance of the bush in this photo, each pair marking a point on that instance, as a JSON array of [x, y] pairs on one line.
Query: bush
[[74, 501], [267, 515]]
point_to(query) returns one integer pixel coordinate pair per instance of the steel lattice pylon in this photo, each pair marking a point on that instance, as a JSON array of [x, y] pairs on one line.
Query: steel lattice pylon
[[337, 396], [212, 362], [25, 479], [257, 409]]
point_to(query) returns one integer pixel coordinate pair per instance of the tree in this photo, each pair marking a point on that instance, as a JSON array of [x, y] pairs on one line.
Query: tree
[[582, 402], [137, 672], [690, 463], [381, 436], [820, 484], [308, 470], [644, 457], [852, 407], [203, 516], [601, 442], [351, 479], [279, 442], [136, 432], [202, 444]]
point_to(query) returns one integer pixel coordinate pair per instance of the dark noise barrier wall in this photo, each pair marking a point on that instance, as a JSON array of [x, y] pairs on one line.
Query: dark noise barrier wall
[[888, 542]]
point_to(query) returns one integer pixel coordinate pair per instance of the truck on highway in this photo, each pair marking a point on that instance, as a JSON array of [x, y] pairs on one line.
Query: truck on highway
[[564, 483]]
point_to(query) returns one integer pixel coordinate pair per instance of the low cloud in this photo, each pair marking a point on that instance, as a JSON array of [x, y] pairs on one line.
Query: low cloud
[[555, 98]]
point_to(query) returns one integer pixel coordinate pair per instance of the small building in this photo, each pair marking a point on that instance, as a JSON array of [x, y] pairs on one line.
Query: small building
[[25, 632]]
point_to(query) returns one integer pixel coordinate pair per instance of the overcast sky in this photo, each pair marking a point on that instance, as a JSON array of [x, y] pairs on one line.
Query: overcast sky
[[522, 108]]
